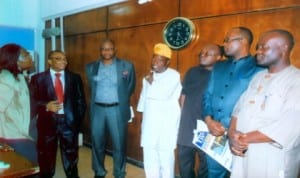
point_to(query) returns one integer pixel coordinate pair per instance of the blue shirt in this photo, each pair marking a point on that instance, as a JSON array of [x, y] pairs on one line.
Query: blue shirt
[[229, 79], [106, 79]]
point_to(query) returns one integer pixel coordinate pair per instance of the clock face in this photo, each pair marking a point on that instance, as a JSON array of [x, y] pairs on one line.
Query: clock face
[[179, 32]]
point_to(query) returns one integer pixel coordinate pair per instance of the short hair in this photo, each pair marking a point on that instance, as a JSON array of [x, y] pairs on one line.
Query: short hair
[[247, 33], [108, 40], [288, 37], [9, 56], [55, 51]]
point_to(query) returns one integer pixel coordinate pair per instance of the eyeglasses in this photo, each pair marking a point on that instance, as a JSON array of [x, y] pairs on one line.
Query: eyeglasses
[[25, 56], [228, 40], [107, 49], [59, 58]]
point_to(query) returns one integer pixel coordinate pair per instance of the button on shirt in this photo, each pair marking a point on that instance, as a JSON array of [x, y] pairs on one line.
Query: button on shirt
[[62, 79], [106, 90], [229, 79]]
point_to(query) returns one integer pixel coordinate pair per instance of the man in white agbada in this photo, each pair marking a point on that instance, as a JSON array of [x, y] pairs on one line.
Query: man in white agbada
[[265, 126], [161, 112]]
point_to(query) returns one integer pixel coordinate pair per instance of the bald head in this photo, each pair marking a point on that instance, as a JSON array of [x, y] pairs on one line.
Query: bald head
[[210, 54], [274, 48], [285, 36], [217, 49]]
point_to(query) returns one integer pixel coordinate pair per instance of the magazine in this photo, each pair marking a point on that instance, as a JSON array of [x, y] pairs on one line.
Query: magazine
[[215, 147]]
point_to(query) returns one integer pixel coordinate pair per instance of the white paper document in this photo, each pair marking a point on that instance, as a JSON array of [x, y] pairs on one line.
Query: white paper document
[[131, 115], [215, 147]]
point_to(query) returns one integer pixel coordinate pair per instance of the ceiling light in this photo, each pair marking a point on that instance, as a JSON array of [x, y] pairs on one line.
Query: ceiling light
[[143, 1]]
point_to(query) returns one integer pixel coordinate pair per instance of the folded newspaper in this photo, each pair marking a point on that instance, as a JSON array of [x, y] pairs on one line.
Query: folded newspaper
[[215, 147]]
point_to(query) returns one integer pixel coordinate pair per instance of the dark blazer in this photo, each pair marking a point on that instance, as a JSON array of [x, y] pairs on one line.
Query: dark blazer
[[42, 91], [126, 84]]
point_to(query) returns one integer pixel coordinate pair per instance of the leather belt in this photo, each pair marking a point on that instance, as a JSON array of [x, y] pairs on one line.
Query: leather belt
[[106, 105]]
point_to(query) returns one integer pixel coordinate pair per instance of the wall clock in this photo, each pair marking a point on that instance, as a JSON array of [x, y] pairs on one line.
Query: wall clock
[[179, 32]]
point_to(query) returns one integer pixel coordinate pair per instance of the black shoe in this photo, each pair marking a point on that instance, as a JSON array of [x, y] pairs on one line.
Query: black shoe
[[99, 176]]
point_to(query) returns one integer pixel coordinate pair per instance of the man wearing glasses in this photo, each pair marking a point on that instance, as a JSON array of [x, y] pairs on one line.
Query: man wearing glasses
[[228, 81], [59, 103]]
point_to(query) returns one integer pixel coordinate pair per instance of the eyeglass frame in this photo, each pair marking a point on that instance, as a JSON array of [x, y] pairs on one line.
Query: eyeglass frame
[[228, 40], [58, 58]]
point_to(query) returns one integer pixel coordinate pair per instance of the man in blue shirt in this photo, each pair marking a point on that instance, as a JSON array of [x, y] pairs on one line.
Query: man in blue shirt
[[228, 81]]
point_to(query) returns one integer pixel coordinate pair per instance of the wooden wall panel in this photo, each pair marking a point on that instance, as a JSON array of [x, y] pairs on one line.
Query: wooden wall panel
[[86, 22], [284, 19], [203, 8], [133, 14], [271, 4], [81, 50], [214, 30]]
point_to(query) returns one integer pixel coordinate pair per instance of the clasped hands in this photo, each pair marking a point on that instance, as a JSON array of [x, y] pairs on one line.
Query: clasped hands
[[54, 106], [238, 143]]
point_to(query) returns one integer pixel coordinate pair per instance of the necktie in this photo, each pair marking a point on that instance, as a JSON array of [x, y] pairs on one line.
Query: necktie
[[59, 88]]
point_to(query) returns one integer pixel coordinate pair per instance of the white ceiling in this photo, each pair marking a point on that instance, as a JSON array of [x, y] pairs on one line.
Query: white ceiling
[[55, 8]]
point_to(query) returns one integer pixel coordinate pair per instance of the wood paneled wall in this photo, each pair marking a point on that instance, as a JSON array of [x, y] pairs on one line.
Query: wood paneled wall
[[136, 28]]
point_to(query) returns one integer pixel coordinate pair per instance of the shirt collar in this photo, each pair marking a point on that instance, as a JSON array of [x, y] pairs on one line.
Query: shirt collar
[[113, 61], [242, 58], [52, 72]]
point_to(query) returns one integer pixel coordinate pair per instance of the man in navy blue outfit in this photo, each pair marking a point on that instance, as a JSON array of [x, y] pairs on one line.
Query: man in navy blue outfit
[[228, 81], [193, 87]]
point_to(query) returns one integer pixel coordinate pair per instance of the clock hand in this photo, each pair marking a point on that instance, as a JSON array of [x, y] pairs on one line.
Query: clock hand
[[178, 37]]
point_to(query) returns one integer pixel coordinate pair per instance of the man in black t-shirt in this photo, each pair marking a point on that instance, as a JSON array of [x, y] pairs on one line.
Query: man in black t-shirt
[[194, 84]]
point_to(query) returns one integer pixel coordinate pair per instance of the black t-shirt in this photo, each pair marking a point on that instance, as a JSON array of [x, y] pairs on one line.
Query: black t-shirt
[[193, 87]]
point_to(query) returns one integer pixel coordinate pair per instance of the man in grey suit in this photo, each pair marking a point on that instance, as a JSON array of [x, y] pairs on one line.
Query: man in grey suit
[[112, 82]]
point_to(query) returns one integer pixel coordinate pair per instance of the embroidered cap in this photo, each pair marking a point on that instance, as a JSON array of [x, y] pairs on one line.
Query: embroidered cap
[[162, 50]]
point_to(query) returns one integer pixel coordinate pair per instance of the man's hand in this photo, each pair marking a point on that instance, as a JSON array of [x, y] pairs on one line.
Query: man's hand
[[53, 106], [214, 127], [237, 142], [149, 77]]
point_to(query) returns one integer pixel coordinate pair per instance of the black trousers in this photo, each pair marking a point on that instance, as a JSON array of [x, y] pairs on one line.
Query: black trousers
[[47, 149], [186, 157]]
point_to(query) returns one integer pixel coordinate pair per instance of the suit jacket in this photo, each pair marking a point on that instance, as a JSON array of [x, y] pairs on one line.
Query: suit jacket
[[126, 84], [42, 91]]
